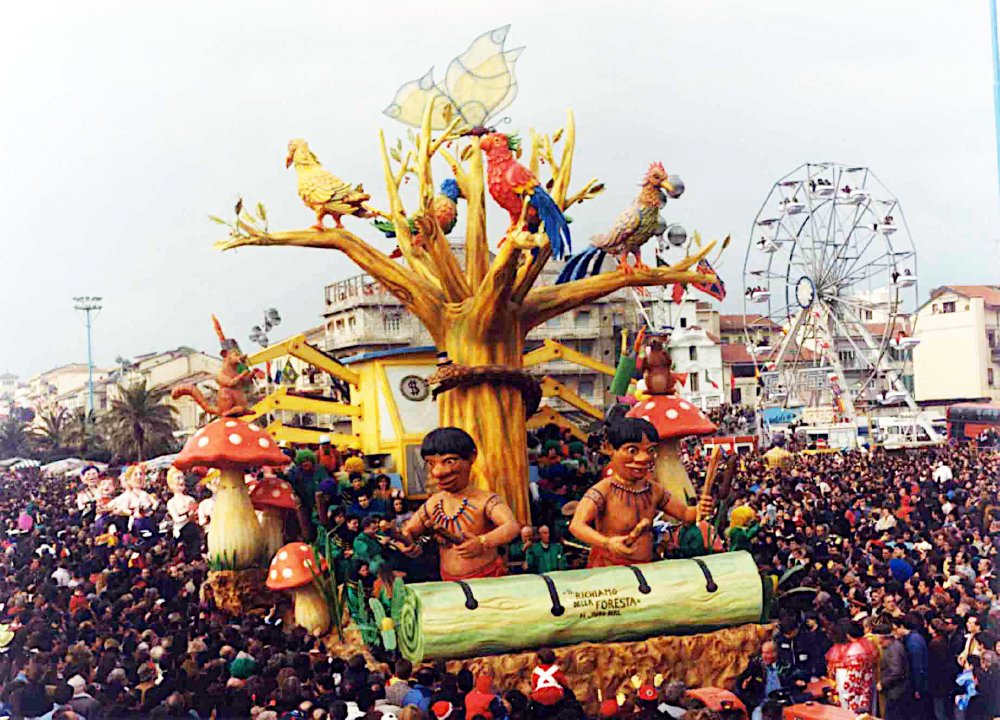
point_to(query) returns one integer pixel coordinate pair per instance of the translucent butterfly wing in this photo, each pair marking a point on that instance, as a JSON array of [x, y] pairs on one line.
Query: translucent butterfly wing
[[411, 99], [481, 82]]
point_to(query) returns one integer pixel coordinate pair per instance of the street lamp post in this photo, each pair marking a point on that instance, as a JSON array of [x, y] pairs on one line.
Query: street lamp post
[[90, 306]]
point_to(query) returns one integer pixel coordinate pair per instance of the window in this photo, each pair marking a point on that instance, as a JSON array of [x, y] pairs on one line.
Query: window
[[554, 322], [991, 337], [684, 322], [587, 388], [692, 353], [582, 318], [391, 323], [948, 307], [846, 358], [693, 381], [737, 396], [586, 347], [989, 376], [618, 318]]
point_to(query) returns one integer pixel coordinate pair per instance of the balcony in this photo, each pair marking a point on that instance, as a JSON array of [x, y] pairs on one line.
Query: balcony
[[361, 290]]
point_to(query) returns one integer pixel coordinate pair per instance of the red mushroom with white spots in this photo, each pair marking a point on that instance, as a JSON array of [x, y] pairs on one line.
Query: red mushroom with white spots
[[232, 446], [674, 418], [271, 497], [294, 568]]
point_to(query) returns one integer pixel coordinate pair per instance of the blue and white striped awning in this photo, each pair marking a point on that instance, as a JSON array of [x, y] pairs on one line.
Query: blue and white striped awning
[[24, 463]]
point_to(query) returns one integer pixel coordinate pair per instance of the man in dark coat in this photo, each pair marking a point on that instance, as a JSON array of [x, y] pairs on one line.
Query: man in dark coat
[[797, 650], [763, 676], [894, 671], [942, 669]]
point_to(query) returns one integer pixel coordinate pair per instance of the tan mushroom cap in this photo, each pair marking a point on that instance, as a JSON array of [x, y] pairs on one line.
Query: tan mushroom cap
[[672, 416], [272, 492], [229, 444], [293, 566]]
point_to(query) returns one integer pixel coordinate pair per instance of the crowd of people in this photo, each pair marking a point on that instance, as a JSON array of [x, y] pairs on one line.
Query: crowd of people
[[102, 617]]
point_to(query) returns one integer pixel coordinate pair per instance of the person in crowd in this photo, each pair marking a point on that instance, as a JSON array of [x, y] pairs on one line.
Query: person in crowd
[[763, 676], [894, 675], [545, 556]]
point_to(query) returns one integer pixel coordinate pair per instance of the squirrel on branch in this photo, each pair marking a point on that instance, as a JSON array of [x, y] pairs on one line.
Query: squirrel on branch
[[233, 378]]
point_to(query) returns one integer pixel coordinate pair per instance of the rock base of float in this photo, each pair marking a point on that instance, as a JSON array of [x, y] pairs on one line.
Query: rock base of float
[[706, 659], [238, 592]]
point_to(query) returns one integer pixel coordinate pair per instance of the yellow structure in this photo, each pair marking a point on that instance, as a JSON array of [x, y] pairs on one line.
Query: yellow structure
[[391, 407]]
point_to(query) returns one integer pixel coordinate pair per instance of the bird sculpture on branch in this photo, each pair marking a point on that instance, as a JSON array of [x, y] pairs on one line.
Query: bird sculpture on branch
[[323, 191], [634, 227], [444, 209], [511, 184]]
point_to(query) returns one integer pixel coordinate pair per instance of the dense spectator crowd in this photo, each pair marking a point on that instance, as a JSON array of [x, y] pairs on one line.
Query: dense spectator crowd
[[105, 620]]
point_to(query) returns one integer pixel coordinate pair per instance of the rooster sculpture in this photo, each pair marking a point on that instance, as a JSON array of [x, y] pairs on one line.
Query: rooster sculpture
[[633, 228], [444, 208], [511, 183], [323, 191]]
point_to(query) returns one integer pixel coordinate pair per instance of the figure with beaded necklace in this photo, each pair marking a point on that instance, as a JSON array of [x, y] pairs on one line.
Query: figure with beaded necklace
[[469, 523], [615, 516]]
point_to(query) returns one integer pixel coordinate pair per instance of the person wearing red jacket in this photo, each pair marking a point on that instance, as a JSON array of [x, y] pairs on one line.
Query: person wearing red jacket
[[548, 683], [477, 701]]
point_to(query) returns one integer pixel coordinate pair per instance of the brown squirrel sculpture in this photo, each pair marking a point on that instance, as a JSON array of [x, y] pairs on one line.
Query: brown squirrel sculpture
[[231, 400], [657, 369]]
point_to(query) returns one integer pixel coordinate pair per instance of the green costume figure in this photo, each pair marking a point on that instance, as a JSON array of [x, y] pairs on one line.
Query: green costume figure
[[305, 478], [545, 556], [743, 528], [367, 547]]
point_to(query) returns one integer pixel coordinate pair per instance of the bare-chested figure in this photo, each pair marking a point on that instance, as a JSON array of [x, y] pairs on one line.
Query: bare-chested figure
[[468, 522], [615, 516]]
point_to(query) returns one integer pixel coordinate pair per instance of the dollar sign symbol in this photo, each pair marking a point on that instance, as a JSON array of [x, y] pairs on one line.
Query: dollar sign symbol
[[414, 387]]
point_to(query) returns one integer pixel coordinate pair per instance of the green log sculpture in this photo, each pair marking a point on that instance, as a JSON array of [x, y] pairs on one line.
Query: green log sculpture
[[447, 620]]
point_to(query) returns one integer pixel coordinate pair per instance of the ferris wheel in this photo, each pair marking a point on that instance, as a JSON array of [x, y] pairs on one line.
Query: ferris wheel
[[829, 271]]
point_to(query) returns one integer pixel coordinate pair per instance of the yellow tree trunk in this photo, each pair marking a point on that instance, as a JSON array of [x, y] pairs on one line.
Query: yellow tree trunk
[[493, 415]]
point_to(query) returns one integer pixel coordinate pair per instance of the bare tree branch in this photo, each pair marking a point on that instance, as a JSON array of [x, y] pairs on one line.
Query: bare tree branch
[[547, 302], [420, 297]]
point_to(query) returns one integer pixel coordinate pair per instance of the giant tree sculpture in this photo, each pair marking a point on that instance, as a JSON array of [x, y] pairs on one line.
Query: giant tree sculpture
[[479, 315]]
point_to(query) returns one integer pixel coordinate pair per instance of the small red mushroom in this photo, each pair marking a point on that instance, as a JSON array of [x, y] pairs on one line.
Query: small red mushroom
[[270, 497], [674, 418], [231, 446], [294, 568]]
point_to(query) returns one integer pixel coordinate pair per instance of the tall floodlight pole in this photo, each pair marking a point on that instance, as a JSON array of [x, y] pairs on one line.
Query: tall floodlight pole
[[996, 80], [90, 306]]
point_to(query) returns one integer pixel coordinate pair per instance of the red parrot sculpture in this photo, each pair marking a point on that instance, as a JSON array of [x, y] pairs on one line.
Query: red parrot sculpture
[[510, 183]]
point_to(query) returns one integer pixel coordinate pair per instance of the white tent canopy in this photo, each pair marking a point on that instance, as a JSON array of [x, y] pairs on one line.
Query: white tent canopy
[[161, 463], [71, 466]]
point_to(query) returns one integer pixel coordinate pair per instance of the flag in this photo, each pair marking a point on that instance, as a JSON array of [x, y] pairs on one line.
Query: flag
[[732, 381], [711, 381], [678, 293], [716, 289], [289, 374]]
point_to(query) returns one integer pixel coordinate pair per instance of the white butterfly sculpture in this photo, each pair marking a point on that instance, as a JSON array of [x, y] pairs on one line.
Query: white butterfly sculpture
[[478, 84]]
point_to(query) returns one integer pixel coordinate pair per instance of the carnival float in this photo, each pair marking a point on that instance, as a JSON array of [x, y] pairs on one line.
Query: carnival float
[[627, 612]]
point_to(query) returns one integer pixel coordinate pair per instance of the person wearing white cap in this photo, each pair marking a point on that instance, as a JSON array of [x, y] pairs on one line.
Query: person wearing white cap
[[327, 455]]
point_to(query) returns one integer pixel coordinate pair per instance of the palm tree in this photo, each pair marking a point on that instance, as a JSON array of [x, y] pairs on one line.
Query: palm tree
[[138, 425], [81, 434], [51, 432], [13, 437]]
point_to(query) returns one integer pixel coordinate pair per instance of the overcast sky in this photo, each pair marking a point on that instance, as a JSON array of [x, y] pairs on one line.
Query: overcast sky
[[126, 123]]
